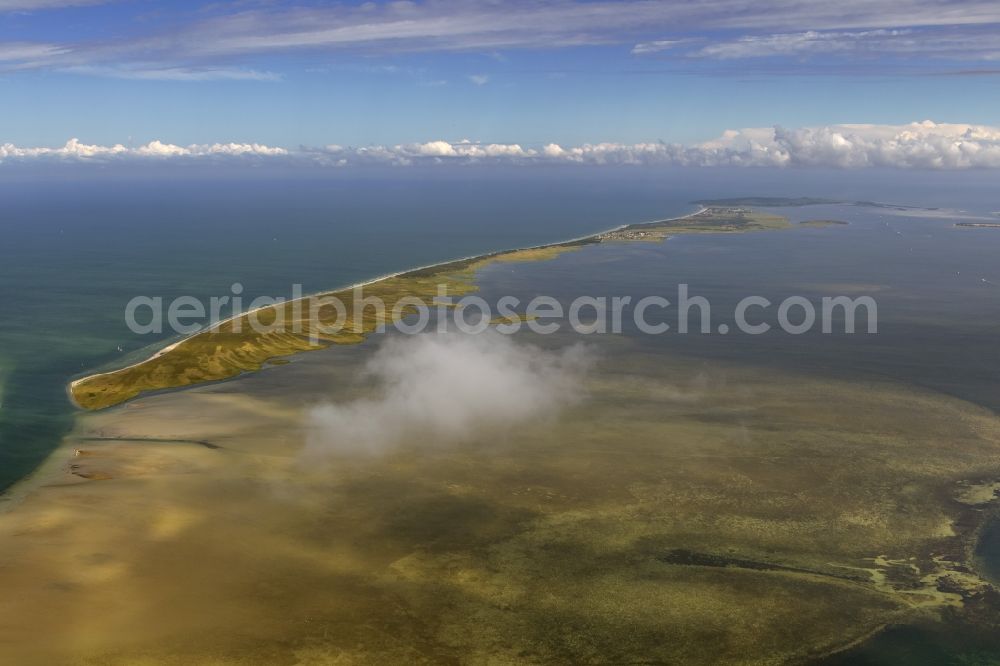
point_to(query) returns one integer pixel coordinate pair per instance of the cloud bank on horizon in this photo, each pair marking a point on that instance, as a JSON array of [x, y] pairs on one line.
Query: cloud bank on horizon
[[918, 145]]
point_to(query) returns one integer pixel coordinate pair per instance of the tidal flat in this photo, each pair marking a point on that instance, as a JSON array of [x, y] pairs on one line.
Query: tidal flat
[[186, 527], [705, 500]]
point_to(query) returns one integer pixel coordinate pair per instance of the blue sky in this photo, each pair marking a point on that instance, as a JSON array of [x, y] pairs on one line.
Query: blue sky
[[568, 72]]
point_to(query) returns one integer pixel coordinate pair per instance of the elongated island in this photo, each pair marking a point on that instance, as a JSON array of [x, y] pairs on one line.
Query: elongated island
[[235, 346]]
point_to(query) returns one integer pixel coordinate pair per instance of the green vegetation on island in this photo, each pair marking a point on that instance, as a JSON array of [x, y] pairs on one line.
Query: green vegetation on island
[[248, 342], [713, 219]]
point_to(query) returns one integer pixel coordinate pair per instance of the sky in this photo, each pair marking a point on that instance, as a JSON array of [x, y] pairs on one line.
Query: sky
[[734, 82]]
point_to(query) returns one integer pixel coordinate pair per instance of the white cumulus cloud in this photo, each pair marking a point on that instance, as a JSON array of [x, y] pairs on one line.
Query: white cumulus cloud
[[924, 144], [76, 149], [916, 145]]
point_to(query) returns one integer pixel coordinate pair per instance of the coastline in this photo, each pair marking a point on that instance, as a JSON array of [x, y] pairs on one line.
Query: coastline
[[365, 283], [12, 496]]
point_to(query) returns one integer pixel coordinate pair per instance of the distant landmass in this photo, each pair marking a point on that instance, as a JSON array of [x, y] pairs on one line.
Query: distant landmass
[[786, 202], [822, 223], [876, 204], [768, 202]]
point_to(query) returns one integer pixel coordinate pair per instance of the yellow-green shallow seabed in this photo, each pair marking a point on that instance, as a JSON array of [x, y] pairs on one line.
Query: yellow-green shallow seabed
[[682, 511]]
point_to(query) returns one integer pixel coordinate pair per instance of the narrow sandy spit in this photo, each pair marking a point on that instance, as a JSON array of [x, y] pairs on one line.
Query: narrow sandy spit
[[366, 283]]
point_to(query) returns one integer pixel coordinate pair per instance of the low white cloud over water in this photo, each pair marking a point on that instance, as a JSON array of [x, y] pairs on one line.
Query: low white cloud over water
[[440, 389]]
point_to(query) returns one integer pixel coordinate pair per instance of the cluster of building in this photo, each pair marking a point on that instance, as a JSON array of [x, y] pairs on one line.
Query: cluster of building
[[625, 234]]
